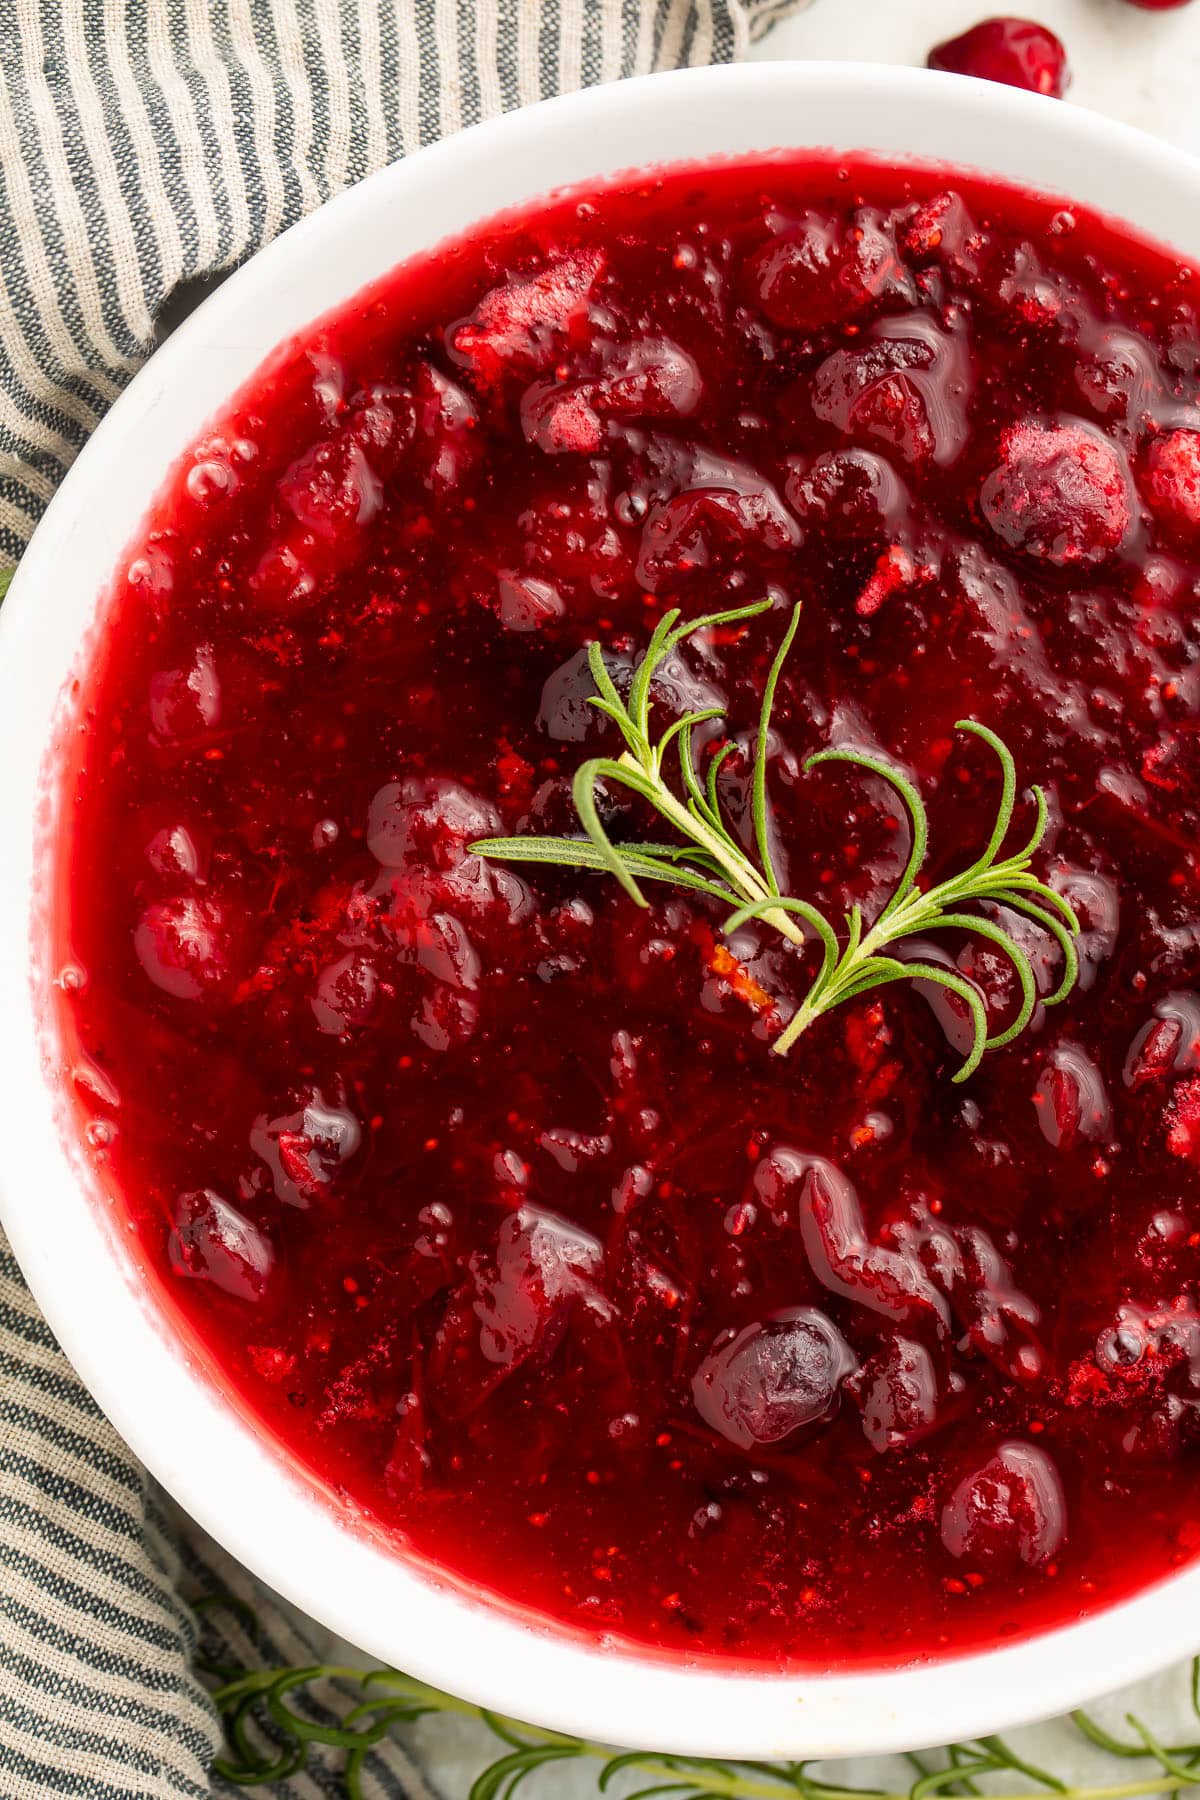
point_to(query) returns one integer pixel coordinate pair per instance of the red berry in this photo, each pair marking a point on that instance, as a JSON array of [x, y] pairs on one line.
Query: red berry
[[1173, 480], [1008, 1511], [1060, 494], [1013, 51], [1182, 1119], [304, 1149], [766, 1382], [184, 944], [212, 1241], [524, 323], [897, 1389], [1157, 5]]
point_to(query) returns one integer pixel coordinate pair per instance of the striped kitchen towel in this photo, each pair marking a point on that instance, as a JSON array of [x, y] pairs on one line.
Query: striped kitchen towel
[[145, 147]]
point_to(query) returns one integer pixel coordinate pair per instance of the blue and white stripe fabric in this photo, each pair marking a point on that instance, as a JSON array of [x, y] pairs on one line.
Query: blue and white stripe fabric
[[146, 146]]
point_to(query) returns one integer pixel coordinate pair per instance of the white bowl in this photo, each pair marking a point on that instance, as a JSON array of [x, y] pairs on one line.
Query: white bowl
[[168, 1408]]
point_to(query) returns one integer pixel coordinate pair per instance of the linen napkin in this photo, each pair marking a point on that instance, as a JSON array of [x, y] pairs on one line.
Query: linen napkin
[[147, 146]]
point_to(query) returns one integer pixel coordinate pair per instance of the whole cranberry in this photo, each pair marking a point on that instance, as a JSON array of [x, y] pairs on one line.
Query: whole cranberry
[[1172, 482], [1014, 51], [1060, 493]]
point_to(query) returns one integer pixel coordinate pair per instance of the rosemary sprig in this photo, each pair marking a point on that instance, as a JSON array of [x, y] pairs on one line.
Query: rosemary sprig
[[268, 1739], [712, 861]]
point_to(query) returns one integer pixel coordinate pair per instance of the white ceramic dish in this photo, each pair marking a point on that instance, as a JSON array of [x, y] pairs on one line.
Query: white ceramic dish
[[169, 1411]]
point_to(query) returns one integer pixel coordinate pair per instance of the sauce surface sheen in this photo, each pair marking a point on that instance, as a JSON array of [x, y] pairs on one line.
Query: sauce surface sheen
[[481, 1187]]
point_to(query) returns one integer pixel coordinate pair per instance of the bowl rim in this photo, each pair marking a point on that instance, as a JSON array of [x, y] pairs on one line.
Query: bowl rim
[[160, 1398]]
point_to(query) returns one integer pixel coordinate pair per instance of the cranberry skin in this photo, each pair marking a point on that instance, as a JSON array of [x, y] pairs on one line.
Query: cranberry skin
[[523, 324], [834, 1235], [184, 946], [544, 1266], [818, 272], [1009, 1511], [1071, 1099], [346, 994], [212, 1241], [1016, 52], [540, 1279], [1182, 1119], [1172, 483], [306, 1149], [1169, 1044], [795, 280], [427, 820], [906, 385], [898, 1391], [772, 1378], [1060, 494], [1157, 5], [185, 703]]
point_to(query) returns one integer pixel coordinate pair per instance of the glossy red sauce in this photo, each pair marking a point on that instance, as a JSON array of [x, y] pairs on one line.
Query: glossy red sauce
[[483, 1191]]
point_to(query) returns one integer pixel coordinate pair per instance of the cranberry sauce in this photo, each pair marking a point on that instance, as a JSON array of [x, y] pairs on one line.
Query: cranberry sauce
[[482, 1188]]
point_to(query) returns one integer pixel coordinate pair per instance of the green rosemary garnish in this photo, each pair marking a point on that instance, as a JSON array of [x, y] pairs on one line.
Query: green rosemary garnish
[[712, 861], [268, 1740]]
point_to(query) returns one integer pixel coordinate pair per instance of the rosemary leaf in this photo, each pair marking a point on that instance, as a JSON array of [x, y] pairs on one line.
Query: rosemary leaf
[[710, 858]]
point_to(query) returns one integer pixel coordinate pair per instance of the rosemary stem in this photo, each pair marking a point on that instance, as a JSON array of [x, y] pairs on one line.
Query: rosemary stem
[[824, 994], [698, 1777], [713, 860], [805, 1014], [742, 874]]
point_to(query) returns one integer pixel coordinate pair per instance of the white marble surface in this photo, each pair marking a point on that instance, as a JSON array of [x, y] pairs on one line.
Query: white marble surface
[[1143, 68]]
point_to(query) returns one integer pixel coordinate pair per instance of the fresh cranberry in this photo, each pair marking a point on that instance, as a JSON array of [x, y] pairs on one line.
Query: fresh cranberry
[[1016, 52], [1157, 5], [1060, 494]]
